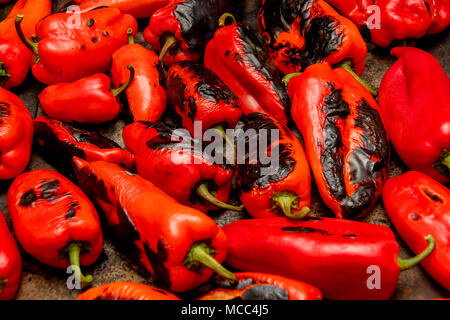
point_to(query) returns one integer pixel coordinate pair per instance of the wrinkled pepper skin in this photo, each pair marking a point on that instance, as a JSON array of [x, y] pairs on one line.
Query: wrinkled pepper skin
[[330, 254], [303, 32], [287, 191], [441, 20], [346, 143], [414, 101], [236, 55], [59, 142], [191, 23], [146, 95], [15, 58], [259, 286], [163, 231], [10, 262], [195, 93], [417, 206], [125, 290], [172, 163], [49, 215], [77, 45], [16, 135], [137, 8]]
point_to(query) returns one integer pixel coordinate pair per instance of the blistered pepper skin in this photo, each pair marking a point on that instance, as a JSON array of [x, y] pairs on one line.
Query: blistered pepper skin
[[137, 8], [125, 290]]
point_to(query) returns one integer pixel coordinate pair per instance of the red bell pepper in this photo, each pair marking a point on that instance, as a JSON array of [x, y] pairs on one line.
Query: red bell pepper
[[417, 206], [16, 135], [137, 8], [88, 100], [334, 255], [415, 104], [54, 221], [75, 45], [10, 262], [441, 19], [125, 290]]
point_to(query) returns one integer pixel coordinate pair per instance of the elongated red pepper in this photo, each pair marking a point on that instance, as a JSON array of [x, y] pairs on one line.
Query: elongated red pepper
[[417, 206], [259, 286], [59, 142], [15, 58], [137, 8], [235, 54], [346, 144], [88, 100], [173, 242], [300, 33], [334, 255], [75, 45], [287, 189], [177, 164], [16, 135], [125, 290], [146, 95], [54, 221], [414, 102], [10, 262]]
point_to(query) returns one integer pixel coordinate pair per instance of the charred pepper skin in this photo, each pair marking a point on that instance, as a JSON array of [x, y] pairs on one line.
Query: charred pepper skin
[[174, 164], [414, 102], [77, 45], [125, 290], [346, 143], [15, 58], [181, 30], [418, 205], [173, 242], [10, 262], [330, 254], [195, 93], [54, 221], [16, 135], [300, 33], [59, 142], [137, 8], [287, 191], [235, 54]]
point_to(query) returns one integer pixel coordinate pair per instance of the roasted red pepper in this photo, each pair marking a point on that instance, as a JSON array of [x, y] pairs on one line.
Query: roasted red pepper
[[334, 255], [173, 242], [417, 206], [16, 135], [54, 221], [15, 59], [236, 55], [59, 142], [441, 18], [414, 102], [180, 30], [125, 290], [146, 95], [137, 8], [300, 33], [10, 262], [177, 164], [88, 100], [259, 286], [75, 45], [287, 189], [346, 144], [195, 93]]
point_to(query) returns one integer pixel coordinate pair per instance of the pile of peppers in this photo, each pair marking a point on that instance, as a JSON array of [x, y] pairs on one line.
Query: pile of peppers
[[193, 96]]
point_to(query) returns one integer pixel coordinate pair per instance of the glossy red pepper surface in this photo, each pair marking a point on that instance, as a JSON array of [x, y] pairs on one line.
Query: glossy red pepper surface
[[125, 290]]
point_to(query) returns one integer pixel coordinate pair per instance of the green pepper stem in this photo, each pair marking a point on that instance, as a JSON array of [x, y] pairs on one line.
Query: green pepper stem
[[287, 78], [130, 36], [405, 264], [2, 283], [4, 74], [124, 87], [348, 66], [204, 193], [171, 41], [222, 132], [33, 46], [288, 201], [201, 253], [74, 250], [223, 19]]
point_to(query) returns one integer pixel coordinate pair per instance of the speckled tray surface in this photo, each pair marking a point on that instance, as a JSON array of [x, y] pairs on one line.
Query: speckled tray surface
[[43, 282]]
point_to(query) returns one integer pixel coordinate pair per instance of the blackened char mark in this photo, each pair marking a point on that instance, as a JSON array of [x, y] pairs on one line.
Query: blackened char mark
[[265, 292], [92, 185], [160, 272], [177, 98], [28, 198], [4, 111], [49, 189], [306, 230]]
